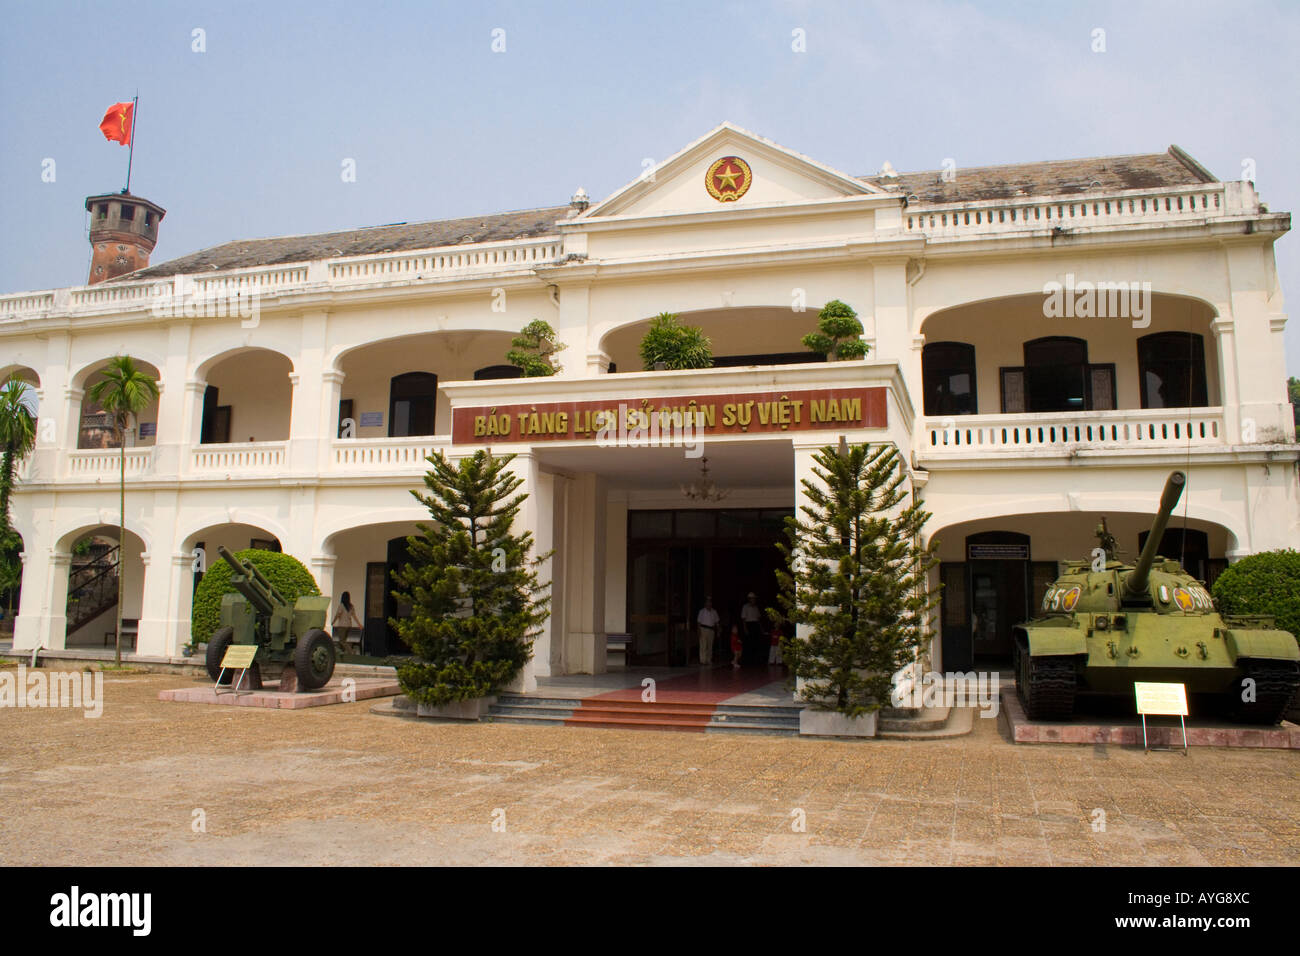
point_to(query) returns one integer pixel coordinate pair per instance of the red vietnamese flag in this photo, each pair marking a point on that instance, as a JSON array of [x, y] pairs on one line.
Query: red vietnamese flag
[[116, 124]]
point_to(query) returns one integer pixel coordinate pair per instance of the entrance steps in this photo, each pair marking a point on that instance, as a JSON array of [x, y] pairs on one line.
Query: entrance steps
[[635, 714]]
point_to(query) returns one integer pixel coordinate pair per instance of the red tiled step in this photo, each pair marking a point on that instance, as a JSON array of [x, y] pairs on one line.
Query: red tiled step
[[636, 713]]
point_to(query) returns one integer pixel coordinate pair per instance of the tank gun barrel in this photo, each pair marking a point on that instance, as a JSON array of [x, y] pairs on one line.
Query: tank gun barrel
[[251, 583], [1136, 584]]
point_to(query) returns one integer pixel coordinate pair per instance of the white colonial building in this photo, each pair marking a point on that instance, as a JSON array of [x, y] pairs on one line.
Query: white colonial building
[[1047, 342]]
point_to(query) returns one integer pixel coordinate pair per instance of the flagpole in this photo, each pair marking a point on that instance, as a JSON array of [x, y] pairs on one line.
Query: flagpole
[[135, 111]]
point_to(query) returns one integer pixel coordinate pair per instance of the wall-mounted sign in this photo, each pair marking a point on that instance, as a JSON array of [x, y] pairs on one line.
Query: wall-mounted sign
[[997, 552], [148, 428], [372, 419], [671, 420], [728, 179]]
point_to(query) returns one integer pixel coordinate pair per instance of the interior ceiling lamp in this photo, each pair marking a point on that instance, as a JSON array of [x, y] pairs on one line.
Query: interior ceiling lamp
[[703, 488]]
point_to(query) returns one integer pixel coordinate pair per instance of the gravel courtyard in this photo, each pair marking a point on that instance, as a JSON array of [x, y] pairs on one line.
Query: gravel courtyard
[[339, 785]]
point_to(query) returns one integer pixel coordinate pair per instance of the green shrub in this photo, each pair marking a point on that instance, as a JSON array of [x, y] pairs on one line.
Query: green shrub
[[534, 348], [1265, 583], [677, 346], [286, 573], [837, 333]]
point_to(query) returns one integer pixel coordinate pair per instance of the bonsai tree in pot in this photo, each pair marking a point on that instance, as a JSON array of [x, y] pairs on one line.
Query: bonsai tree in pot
[[668, 344], [472, 584], [837, 333], [534, 348], [856, 578]]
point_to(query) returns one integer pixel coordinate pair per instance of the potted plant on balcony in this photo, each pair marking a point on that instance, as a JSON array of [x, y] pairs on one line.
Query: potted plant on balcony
[[668, 344], [857, 579], [473, 588], [837, 333], [123, 392], [534, 348]]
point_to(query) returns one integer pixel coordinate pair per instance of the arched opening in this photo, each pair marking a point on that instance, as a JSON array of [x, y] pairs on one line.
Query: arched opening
[[994, 572], [11, 583], [249, 398], [1085, 364], [758, 335], [98, 560], [96, 428], [366, 558], [390, 388], [203, 546], [492, 372]]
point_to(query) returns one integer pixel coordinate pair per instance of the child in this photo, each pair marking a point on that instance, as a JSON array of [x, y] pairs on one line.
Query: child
[[736, 645]]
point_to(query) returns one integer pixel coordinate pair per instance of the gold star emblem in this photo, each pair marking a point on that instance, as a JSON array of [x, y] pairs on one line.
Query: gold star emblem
[[728, 179]]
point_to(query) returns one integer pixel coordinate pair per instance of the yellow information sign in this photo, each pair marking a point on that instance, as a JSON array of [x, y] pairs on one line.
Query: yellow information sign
[[1169, 700], [239, 656]]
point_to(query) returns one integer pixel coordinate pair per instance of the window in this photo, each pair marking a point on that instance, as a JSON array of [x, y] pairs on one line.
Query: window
[[767, 358], [411, 403], [128, 212], [1172, 370], [1057, 377], [948, 374]]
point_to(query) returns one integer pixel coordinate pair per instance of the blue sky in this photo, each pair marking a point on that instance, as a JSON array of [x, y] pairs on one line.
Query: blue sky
[[247, 138]]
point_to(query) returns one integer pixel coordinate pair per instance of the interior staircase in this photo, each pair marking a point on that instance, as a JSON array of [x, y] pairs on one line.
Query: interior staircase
[[92, 590], [640, 715]]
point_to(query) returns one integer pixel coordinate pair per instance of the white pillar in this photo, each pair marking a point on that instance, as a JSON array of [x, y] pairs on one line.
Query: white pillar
[[535, 515], [584, 576]]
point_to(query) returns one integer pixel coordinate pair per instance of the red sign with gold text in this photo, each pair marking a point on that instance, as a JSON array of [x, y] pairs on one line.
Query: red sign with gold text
[[653, 420]]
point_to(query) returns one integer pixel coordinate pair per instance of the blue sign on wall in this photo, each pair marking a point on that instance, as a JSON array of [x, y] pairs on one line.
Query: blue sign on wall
[[372, 419]]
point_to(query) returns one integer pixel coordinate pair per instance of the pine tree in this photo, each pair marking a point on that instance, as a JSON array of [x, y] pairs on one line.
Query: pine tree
[[856, 577], [476, 602]]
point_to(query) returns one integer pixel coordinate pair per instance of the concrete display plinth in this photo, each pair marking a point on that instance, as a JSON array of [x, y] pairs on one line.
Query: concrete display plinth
[[459, 710], [335, 692], [1127, 731], [826, 723]]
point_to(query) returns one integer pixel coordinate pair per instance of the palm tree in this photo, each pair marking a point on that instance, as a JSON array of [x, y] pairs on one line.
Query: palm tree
[[17, 439], [123, 392]]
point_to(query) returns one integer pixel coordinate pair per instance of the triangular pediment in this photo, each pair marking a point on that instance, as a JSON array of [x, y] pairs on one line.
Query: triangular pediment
[[744, 170]]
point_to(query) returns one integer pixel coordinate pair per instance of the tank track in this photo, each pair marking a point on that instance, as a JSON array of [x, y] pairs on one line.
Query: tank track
[[1046, 685], [1276, 686]]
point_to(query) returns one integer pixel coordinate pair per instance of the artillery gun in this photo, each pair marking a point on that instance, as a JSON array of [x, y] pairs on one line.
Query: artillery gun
[[1101, 629], [287, 634]]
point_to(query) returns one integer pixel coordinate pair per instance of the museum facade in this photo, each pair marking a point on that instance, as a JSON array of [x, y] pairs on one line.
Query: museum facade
[[1047, 341]]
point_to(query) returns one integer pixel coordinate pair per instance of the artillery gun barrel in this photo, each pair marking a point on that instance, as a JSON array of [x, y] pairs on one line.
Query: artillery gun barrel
[[1135, 585], [253, 584]]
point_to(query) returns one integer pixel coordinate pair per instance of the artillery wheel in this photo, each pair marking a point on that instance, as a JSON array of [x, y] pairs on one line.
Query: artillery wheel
[[1045, 685], [218, 643], [313, 659], [1276, 686]]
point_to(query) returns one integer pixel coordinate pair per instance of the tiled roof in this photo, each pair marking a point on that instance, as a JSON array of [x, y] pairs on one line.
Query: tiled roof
[[359, 242], [1057, 178], [1062, 177]]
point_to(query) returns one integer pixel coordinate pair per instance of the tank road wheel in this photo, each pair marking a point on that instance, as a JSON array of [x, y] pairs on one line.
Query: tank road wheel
[[1276, 684], [218, 643], [1045, 685], [313, 659]]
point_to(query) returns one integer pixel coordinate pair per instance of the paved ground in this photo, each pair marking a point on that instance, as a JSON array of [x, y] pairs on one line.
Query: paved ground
[[340, 785]]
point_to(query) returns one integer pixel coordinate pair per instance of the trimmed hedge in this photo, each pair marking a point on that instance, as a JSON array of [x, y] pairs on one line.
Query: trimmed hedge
[[1267, 583], [285, 572]]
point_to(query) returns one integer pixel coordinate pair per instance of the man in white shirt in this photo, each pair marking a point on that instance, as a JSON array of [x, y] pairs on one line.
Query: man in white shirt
[[707, 620]]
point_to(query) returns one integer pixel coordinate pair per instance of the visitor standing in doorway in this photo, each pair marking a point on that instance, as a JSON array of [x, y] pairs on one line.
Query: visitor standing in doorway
[[707, 622], [750, 620], [737, 645], [345, 619]]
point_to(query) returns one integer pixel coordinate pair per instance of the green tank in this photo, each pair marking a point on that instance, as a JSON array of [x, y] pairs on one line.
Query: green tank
[[1105, 625]]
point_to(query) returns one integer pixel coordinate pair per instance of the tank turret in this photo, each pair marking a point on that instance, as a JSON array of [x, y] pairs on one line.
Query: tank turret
[[1137, 583]]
